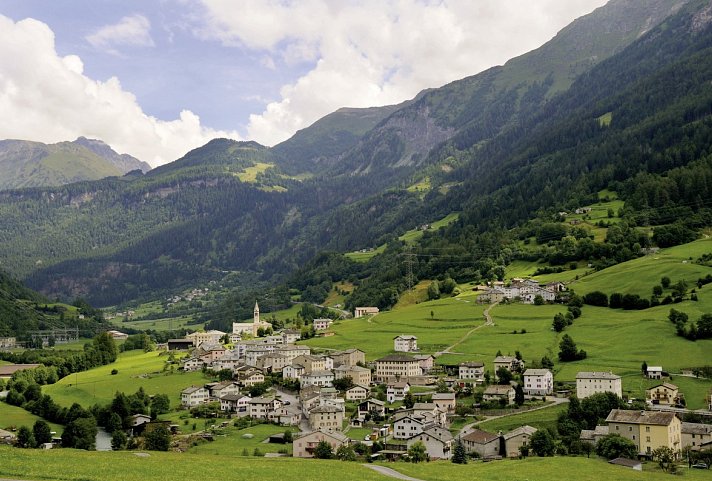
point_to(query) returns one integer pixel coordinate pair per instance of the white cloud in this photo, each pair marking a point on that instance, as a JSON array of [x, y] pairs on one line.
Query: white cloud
[[378, 52], [47, 98], [133, 31]]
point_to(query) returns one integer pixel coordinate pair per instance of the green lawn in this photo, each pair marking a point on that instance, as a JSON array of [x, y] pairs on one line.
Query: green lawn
[[163, 324], [538, 469], [540, 419], [14, 417], [638, 276], [72, 465], [232, 441], [136, 369], [452, 318]]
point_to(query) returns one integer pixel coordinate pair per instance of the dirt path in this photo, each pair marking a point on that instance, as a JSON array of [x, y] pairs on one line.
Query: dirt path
[[390, 472], [556, 401], [488, 322]]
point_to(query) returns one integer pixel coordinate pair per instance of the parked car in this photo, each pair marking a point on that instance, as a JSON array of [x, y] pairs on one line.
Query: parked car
[[700, 466]]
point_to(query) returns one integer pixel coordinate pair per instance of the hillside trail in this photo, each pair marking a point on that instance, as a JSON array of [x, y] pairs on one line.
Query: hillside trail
[[555, 402], [488, 322]]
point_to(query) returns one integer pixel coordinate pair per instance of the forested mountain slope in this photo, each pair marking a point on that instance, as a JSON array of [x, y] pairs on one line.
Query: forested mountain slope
[[233, 206]]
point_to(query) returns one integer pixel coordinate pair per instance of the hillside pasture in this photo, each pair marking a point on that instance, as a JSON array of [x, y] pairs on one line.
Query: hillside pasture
[[452, 318], [135, 369], [14, 417]]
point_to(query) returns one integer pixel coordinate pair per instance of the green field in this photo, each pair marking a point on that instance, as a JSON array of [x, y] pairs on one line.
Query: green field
[[452, 318], [249, 174], [230, 441], [540, 419], [14, 417], [539, 469], [136, 369], [71, 465], [409, 237], [638, 276]]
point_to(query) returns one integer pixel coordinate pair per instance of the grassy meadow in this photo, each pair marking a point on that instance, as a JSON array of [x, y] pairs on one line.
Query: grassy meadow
[[230, 441], [72, 465], [451, 319], [135, 369], [540, 419], [14, 417]]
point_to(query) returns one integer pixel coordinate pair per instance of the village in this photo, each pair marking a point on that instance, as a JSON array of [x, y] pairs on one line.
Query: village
[[405, 398]]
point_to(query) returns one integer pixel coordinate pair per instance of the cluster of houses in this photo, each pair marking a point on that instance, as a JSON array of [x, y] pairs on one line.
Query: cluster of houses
[[524, 290], [319, 408]]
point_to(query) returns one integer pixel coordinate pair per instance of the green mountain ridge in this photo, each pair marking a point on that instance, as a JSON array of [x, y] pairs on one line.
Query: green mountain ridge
[[34, 164], [513, 155]]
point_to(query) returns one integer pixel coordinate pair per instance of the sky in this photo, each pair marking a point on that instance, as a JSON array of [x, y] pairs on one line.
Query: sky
[[158, 78]]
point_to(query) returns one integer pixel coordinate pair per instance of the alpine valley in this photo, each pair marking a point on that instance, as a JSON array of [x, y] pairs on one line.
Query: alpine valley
[[619, 104]]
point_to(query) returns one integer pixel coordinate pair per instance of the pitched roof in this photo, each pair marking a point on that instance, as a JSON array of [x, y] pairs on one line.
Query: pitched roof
[[342, 438], [536, 372], [519, 431], [596, 375], [497, 389], [326, 408], [436, 432], [444, 396], [10, 369], [406, 338], [480, 437], [661, 418], [191, 389], [696, 428], [472, 364], [397, 358]]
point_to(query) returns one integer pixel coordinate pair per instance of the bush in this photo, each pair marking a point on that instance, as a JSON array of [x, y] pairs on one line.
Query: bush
[[596, 298]]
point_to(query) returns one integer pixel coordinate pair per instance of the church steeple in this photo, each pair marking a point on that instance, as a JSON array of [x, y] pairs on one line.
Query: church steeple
[[256, 314]]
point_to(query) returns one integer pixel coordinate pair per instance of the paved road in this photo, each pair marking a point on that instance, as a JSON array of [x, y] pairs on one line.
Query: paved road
[[390, 472], [294, 402]]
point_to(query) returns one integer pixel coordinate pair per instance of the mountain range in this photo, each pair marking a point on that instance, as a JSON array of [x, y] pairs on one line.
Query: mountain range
[[621, 98], [34, 164]]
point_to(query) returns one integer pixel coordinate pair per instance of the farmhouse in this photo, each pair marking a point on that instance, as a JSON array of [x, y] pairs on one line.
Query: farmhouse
[[317, 378], [426, 362], [648, 430], [261, 408], [193, 364], [209, 337], [515, 439], [220, 389], [290, 336], [471, 370], [194, 396], [234, 403], [310, 363], [406, 424], [405, 343], [349, 357], [665, 394], [696, 436], [592, 436], [286, 416], [359, 375], [538, 382], [326, 418], [655, 372], [365, 311], [444, 401], [589, 383], [322, 324], [272, 362], [396, 391], [8, 342], [357, 393], [511, 364], [304, 445], [495, 393], [437, 441], [399, 366], [485, 444]]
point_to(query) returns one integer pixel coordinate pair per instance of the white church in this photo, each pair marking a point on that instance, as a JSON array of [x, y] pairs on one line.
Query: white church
[[251, 327]]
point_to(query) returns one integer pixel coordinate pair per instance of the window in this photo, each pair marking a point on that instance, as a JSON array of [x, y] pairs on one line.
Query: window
[[647, 439], [647, 429]]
